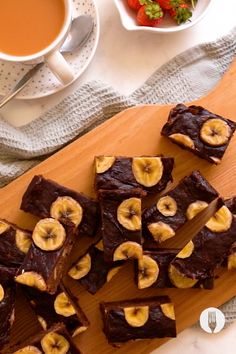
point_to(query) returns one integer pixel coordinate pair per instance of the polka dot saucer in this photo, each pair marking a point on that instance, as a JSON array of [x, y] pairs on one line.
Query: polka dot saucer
[[44, 83]]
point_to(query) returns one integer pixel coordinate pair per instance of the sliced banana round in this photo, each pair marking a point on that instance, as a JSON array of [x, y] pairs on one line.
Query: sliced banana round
[[168, 310], [63, 306], [49, 234], [167, 206], [104, 163], [195, 208], [186, 251], [112, 273], [30, 349], [136, 316], [79, 330], [55, 343], [148, 272], [2, 293], [161, 231], [81, 268], [215, 132], [129, 214], [221, 220], [232, 261], [180, 281], [23, 240], [42, 322], [32, 279], [99, 245], [147, 171], [126, 250], [183, 140], [3, 227], [67, 208]]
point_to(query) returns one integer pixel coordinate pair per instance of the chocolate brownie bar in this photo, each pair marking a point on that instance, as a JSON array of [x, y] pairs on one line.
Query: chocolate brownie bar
[[184, 202], [204, 133], [152, 270], [206, 251], [7, 303], [62, 307], [152, 174], [231, 259], [46, 342], [121, 224], [91, 270], [14, 244], [44, 264], [148, 318], [46, 198]]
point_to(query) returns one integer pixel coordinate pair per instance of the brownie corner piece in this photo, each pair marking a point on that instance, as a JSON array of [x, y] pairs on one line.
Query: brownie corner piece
[[136, 319], [200, 131], [46, 198]]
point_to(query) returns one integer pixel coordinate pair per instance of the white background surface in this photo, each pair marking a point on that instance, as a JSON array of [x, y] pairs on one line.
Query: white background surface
[[125, 60]]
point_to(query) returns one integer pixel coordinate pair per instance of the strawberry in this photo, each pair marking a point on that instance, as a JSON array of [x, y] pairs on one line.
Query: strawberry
[[169, 4], [150, 15], [137, 4], [181, 14]]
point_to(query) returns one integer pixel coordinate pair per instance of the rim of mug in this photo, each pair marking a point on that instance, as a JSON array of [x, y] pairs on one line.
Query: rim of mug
[[52, 46]]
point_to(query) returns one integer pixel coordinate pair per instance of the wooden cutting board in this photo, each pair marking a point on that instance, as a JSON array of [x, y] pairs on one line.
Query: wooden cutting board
[[135, 131]]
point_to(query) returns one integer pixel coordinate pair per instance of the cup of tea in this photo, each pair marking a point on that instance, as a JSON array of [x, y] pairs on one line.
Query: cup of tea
[[32, 31]]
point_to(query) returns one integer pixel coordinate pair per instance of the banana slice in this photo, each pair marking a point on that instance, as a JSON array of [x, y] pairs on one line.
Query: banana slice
[[167, 206], [2, 293], [55, 343], [63, 306], [179, 280], [129, 214], [49, 234], [136, 316], [81, 268], [148, 272], [232, 261], [128, 250], [168, 310], [67, 208], [183, 140], [221, 221], [103, 163], [3, 227], [32, 279], [161, 231], [28, 350], [186, 251], [147, 170], [42, 322], [112, 273], [215, 132], [99, 245], [23, 241], [79, 330], [195, 208]]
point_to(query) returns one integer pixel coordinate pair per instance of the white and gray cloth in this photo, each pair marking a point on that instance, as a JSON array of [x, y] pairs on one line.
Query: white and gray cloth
[[186, 77]]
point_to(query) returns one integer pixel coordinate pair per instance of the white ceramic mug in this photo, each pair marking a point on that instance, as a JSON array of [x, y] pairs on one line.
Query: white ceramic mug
[[51, 54]]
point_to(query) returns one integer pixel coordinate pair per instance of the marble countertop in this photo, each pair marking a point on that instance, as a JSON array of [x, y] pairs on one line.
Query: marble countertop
[[125, 60]]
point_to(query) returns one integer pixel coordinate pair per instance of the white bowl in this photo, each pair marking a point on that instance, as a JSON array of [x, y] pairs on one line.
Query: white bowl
[[128, 18]]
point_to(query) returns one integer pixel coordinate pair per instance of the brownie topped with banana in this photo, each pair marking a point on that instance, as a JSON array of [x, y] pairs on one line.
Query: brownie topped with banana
[[14, 243], [91, 270], [46, 198], [62, 307], [152, 174], [204, 133], [191, 196], [46, 260], [231, 259], [152, 270], [55, 340], [121, 224], [135, 319], [7, 303], [206, 251]]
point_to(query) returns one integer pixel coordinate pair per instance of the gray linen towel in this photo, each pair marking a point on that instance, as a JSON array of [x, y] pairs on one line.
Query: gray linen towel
[[187, 77]]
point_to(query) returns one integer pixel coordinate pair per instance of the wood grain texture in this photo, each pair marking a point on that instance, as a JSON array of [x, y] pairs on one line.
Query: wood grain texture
[[135, 131]]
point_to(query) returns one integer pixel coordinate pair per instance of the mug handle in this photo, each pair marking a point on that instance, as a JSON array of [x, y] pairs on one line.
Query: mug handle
[[60, 68]]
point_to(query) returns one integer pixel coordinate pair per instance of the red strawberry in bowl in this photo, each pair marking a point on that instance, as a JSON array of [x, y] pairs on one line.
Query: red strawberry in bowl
[[150, 15]]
